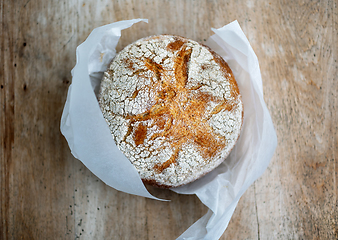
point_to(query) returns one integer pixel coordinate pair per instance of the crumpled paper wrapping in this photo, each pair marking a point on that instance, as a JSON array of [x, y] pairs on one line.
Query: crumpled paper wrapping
[[90, 140]]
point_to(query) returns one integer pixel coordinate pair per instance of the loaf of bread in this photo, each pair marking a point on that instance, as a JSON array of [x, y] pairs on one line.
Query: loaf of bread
[[173, 107]]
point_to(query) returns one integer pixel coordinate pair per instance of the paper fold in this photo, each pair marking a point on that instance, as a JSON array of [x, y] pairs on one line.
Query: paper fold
[[82, 123], [254, 149]]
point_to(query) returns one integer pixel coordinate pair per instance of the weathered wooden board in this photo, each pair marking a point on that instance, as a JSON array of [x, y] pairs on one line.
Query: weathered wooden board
[[47, 194]]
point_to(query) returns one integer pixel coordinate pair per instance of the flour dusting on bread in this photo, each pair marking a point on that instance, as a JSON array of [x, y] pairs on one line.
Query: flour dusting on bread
[[173, 108]]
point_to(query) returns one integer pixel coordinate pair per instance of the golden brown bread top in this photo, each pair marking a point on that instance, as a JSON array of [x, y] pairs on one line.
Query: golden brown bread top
[[173, 107]]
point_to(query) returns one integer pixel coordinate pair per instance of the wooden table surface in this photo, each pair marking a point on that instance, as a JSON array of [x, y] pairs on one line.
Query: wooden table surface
[[47, 194]]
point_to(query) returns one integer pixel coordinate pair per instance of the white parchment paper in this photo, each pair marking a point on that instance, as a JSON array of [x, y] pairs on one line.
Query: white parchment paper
[[90, 140]]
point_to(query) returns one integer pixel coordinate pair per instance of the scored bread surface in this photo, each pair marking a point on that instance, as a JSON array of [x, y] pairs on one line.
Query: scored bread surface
[[173, 108]]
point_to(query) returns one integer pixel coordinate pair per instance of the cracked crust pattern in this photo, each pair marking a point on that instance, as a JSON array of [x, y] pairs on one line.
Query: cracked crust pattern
[[173, 107]]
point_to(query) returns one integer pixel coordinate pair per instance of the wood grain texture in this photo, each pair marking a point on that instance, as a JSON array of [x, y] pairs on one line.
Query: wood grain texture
[[47, 194]]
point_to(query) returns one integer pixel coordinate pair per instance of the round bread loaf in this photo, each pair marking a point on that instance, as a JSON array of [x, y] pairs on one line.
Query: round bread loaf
[[173, 107]]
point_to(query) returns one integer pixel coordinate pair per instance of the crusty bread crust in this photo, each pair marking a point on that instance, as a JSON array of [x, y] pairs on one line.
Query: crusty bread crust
[[173, 107]]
